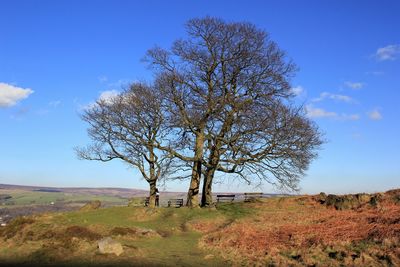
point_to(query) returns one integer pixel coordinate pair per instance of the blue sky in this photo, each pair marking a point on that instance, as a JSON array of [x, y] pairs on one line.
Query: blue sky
[[58, 56]]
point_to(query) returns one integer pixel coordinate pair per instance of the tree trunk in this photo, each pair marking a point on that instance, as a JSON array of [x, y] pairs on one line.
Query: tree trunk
[[193, 193], [206, 196], [152, 196], [213, 160], [153, 178]]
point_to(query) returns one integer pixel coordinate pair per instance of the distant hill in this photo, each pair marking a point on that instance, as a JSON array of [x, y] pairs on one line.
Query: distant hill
[[110, 191], [121, 192]]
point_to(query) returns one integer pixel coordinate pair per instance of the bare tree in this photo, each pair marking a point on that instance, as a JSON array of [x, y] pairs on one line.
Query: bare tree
[[227, 89], [128, 127], [272, 143]]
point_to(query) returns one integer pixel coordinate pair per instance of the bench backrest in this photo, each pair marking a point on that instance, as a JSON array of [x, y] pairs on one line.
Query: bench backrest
[[252, 196], [226, 197], [178, 200], [230, 196], [175, 201]]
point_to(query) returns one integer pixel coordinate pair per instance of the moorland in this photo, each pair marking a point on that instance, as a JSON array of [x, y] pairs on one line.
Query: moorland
[[317, 230]]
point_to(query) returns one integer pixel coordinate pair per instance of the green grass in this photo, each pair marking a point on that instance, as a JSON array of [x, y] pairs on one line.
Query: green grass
[[26, 198], [176, 250], [156, 219], [179, 245], [175, 246], [235, 210]]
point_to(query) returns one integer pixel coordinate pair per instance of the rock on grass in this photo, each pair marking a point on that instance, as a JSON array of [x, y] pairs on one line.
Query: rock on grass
[[109, 246]]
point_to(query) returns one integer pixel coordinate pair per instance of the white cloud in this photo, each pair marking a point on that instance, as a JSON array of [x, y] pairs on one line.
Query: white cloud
[[313, 112], [389, 52], [326, 95], [375, 115], [354, 85], [10, 95], [105, 96], [298, 90]]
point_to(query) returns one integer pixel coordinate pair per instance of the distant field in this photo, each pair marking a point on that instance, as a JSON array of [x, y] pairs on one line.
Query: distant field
[[31, 196], [28, 195], [24, 200], [42, 198]]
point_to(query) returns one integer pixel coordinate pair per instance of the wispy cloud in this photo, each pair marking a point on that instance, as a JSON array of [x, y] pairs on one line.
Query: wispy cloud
[[298, 90], [102, 78], [389, 52], [357, 136], [375, 115], [354, 85], [336, 97], [121, 83], [313, 112], [375, 73], [10, 95], [350, 117], [54, 103], [20, 113]]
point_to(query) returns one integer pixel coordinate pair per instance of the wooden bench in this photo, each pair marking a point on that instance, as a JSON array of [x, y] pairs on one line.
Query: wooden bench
[[175, 202], [252, 196], [225, 198]]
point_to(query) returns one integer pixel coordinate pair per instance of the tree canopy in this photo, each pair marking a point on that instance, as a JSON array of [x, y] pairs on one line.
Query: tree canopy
[[222, 103]]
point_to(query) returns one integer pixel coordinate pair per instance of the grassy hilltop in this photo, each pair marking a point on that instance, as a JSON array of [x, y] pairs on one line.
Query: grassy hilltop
[[355, 230]]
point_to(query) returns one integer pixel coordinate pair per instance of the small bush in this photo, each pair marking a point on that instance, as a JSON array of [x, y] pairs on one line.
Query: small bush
[[82, 232], [122, 231], [93, 205], [15, 226]]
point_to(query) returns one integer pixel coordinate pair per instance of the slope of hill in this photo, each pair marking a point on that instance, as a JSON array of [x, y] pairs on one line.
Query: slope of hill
[[119, 192], [352, 230]]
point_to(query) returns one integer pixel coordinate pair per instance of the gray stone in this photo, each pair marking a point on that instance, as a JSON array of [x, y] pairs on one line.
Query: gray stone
[[109, 246]]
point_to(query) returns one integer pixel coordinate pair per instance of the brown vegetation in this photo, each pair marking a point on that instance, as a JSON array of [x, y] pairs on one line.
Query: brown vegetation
[[207, 226], [15, 227], [81, 232], [93, 205], [133, 232], [310, 233]]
